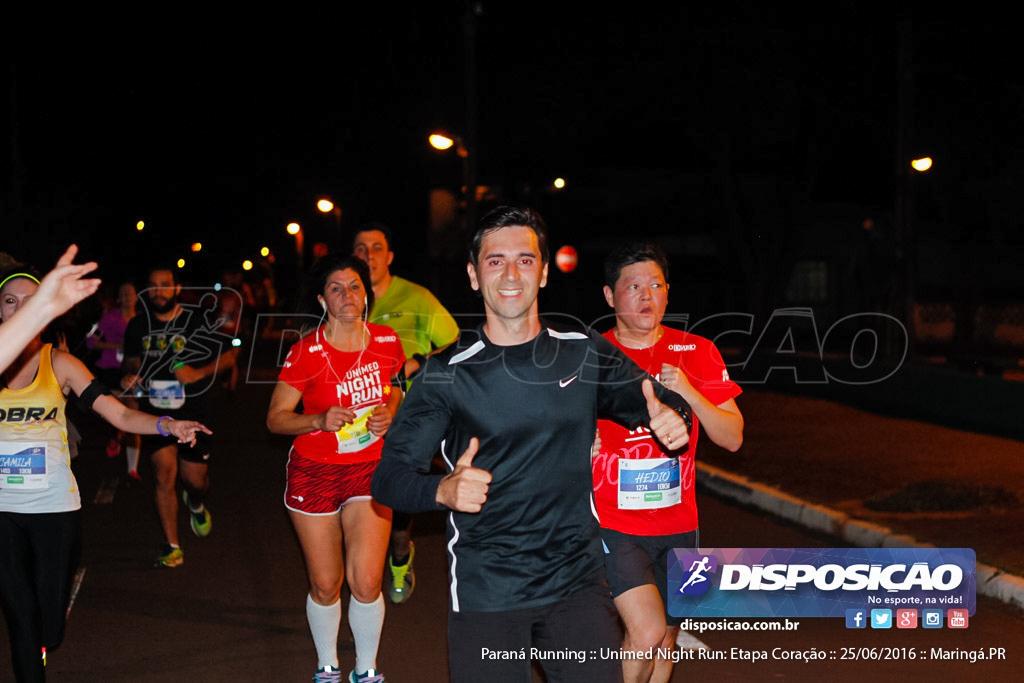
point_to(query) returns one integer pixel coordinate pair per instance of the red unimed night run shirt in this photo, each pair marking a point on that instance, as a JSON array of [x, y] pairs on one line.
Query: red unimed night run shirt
[[701, 361], [360, 380]]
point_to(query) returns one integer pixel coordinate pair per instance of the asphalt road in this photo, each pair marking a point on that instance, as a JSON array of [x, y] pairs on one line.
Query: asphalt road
[[235, 610]]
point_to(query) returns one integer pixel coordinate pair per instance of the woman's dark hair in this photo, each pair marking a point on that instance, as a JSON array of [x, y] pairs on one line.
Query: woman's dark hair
[[322, 269], [628, 254], [506, 217]]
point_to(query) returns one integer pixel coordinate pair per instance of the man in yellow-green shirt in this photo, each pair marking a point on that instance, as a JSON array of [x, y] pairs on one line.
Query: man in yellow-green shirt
[[423, 327]]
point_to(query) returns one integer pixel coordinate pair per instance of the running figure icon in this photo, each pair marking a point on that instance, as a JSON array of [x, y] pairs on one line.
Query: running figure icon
[[697, 570]]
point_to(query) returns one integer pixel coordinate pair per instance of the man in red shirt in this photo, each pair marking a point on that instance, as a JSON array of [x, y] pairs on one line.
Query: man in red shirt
[[644, 493]]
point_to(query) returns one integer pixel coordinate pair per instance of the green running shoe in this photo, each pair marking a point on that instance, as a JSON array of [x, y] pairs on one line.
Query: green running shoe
[[403, 579], [171, 557], [201, 521]]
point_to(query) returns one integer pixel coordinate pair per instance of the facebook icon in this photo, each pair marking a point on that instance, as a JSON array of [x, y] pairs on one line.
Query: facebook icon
[[856, 618]]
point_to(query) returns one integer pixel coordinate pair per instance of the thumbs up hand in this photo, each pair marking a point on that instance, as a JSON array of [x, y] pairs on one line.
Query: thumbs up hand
[[667, 424], [465, 488]]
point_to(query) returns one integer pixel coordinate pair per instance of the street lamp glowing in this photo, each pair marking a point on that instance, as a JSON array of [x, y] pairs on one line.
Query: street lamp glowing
[[438, 141], [265, 252], [559, 183], [140, 225], [921, 165], [181, 263], [296, 231], [445, 142], [247, 265], [325, 205], [197, 246]]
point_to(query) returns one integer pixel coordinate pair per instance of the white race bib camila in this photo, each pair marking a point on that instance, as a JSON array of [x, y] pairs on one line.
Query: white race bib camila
[[23, 466]]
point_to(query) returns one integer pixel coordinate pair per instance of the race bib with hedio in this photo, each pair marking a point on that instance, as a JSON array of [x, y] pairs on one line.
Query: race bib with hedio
[[817, 582]]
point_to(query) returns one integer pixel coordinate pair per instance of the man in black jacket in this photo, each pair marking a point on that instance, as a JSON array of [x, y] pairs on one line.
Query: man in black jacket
[[514, 405]]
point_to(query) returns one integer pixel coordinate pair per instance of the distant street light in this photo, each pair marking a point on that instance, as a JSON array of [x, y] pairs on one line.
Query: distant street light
[[197, 246], [140, 225], [296, 230], [326, 206], [443, 142], [921, 165]]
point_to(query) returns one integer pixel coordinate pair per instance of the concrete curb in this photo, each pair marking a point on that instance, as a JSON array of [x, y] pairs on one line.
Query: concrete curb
[[991, 581]]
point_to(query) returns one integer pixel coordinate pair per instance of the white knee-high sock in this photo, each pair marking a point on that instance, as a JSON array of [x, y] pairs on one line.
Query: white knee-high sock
[[366, 619], [324, 623]]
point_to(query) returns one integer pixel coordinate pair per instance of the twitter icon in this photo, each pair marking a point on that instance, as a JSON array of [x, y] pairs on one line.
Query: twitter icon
[[881, 618]]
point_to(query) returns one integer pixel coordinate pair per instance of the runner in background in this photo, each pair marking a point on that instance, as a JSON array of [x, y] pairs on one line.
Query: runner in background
[[424, 327], [107, 337], [173, 355]]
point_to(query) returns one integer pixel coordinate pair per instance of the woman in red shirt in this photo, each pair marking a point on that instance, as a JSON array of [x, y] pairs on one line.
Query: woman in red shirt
[[346, 375]]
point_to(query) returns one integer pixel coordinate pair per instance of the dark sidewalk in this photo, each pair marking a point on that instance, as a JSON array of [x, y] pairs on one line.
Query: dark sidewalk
[[856, 451]]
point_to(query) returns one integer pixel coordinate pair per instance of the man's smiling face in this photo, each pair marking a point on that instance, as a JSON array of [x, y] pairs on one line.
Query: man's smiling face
[[509, 272]]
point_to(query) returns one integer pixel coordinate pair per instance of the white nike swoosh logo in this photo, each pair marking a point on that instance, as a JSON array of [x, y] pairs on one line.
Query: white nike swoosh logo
[[566, 382]]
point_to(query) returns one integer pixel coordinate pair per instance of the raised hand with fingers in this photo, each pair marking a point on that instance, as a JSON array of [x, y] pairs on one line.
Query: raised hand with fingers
[[64, 286], [465, 488], [185, 430]]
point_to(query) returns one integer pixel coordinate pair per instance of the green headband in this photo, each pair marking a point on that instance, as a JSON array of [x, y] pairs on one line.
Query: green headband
[[10, 277]]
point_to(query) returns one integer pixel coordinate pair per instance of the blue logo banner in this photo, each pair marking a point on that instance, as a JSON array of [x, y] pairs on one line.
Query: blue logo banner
[[818, 582]]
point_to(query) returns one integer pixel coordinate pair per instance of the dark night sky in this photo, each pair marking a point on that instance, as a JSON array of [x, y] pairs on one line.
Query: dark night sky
[[227, 135]]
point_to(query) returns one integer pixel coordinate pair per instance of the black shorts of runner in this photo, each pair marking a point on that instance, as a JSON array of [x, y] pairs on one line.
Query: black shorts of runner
[[574, 639], [633, 561], [200, 454]]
